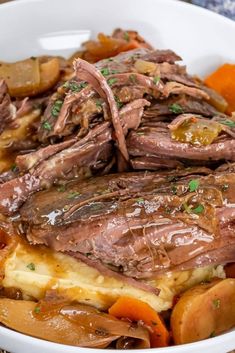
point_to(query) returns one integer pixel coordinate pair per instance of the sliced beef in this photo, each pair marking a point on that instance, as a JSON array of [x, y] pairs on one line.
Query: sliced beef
[[184, 104], [131, 114], [140, 224], [90, 154], [157, 142], [154, 163], [90, 74]]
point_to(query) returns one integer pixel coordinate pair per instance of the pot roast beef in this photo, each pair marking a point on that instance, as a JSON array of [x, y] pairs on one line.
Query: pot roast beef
[[137, 111], [139, 224]]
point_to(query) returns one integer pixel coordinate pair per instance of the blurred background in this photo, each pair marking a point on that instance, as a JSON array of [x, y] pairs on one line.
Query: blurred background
[[224, 7]]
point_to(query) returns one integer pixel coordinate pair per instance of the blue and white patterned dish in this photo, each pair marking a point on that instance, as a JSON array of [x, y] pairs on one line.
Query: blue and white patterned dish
[[224, 7]]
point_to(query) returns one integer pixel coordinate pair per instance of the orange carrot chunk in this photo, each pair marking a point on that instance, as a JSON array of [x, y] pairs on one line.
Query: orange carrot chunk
[[223, 81], [136, 310]]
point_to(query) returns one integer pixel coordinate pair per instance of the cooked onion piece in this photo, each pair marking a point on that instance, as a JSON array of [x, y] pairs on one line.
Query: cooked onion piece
[[13, 135], [76, 325], [204, 311], [29, 77], [22, 77]]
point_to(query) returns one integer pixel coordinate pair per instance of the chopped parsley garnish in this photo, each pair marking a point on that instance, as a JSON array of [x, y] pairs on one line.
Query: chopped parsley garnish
[[119, 103], [224, 187], [199, 209], [212, 334], [74, 86], [111, 81], [216, 303], [126, 36], [140, 201], [174, 190], [73, 194], [31, 266], [37, 309], [175, 108], [55, 110], [47, 126], [98, 103], [228, 123], [105, 71], [61, 188], [14, 168], [132, 78], [193, 185], [156, 80]]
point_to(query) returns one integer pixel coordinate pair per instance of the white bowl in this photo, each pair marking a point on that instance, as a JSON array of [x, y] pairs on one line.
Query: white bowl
[[32, 27]]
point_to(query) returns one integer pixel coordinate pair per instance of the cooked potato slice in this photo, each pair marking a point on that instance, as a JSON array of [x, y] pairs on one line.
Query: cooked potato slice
[[22, 77], [49, 75], [204, 311], [30, 77]]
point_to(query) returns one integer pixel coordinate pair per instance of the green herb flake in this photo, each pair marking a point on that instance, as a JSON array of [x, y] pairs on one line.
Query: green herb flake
[[74, 86], [187, 208], [112, 81], [175, 108], [126, 36], [73, 195], [140, 201], [46, 125], [224, 187], [133, 78], [216, 303], [193, 185], [140, 133], [14, 168], [212, 334], [31, 266], [55, 110], [156, 80], [105, 71], [227, 122], [174, 190], [37, 309], [119, 103], [61, 188], [199, 209], [98, 103]]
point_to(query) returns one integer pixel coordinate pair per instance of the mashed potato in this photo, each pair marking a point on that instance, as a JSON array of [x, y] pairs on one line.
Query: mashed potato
[[34, 270]]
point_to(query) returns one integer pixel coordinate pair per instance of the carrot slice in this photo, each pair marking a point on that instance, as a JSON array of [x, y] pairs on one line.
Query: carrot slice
[[135, 310], [223, 81]]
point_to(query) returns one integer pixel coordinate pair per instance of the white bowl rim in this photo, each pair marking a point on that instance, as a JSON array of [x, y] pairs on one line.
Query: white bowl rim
[[44, 344], [60, 348]]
